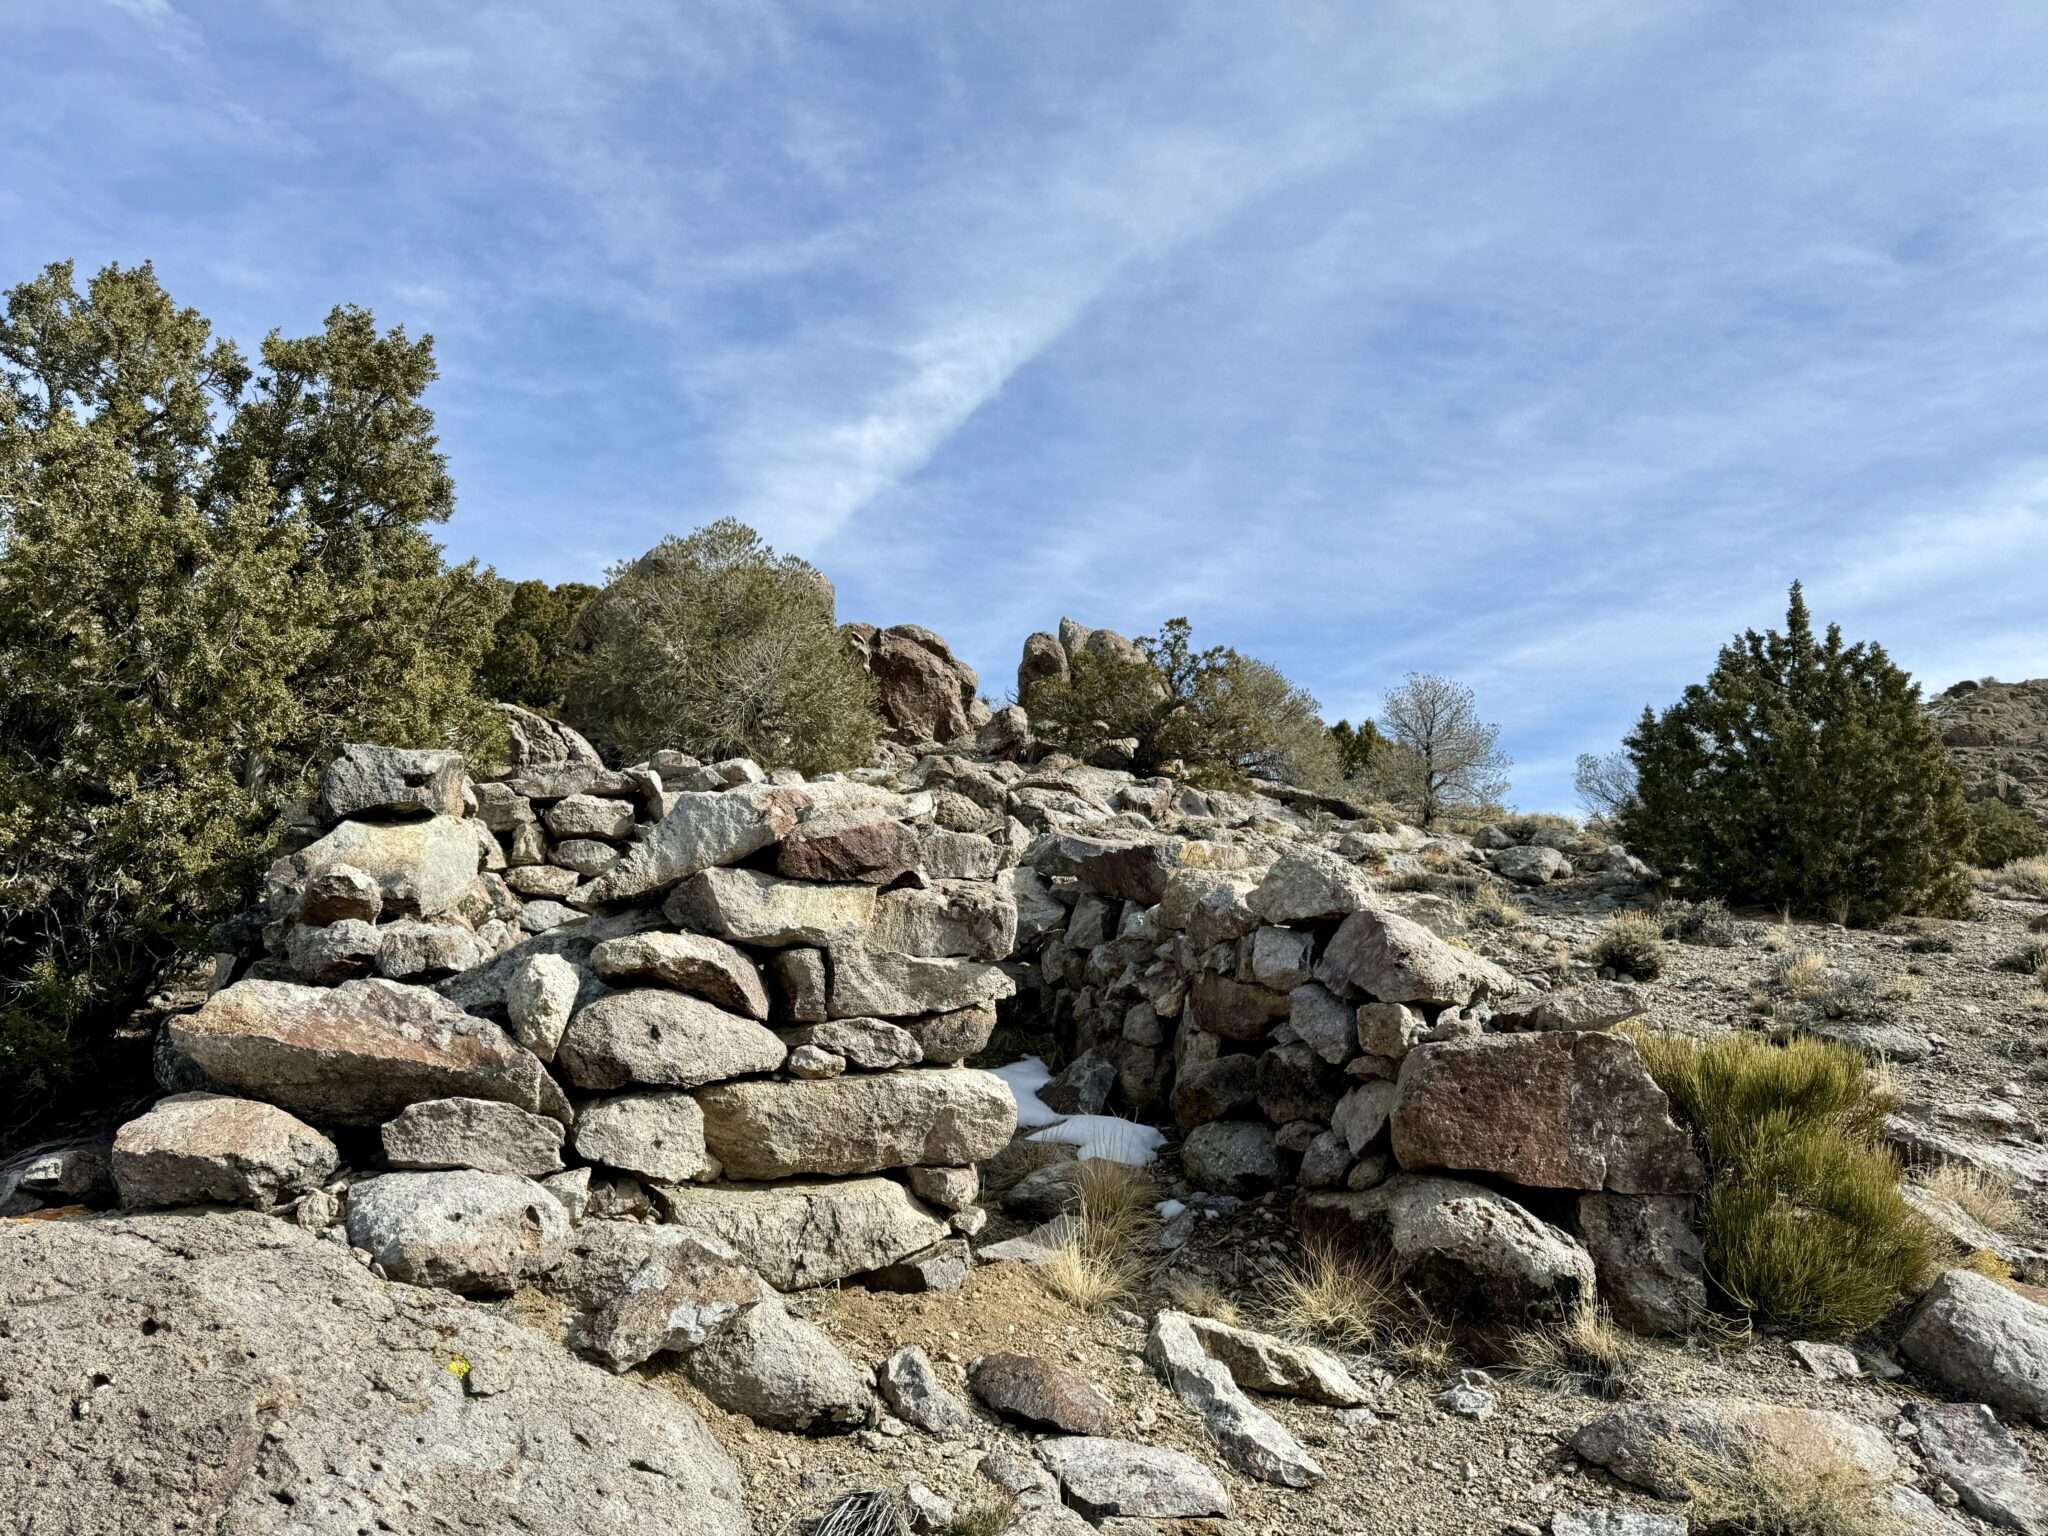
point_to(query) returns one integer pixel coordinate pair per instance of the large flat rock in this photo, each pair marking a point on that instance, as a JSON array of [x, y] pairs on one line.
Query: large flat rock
[[807, 1232], [230, 1373], [857, 1124], [1395, 959], [702, 830], [666, 1039], [422, 868], [358, 1053]]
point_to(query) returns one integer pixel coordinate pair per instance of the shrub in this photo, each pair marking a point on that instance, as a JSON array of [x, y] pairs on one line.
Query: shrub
[[1585, 1350], [1224, 717], [528, 661], [211, 575], [1982, 1195], [2002, 833], [719, 646], [1442, 758], [2027, 876], [1191, 1293], [1491, 904], [1802, 774], [1606, 782], [1701, 922], [1804, 1222], [1629, 944], [2030, 959], [1802, 1489]]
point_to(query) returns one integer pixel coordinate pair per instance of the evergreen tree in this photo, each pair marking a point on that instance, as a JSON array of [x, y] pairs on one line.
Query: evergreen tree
[[1802, 774]]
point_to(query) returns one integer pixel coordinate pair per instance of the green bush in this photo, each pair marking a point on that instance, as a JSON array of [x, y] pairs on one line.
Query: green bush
[[1804, 1223], [211, 574], [1701, 922], [1224, 717], [717, 645], [1801, 775], [1630, 944], [2003, 834], [528, 660]]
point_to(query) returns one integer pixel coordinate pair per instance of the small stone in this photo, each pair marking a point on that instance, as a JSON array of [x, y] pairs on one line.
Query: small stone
[[914, 1394], [1038, 1393]]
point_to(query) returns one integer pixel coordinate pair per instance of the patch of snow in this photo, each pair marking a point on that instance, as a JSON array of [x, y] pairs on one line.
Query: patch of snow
[[1107, 1137], [1168, 1209], [1024, 1079]]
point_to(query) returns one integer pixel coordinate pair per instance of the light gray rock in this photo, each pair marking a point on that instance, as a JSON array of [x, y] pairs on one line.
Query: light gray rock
[[571, 1188], [1325, 1162], [458, 1231], [1532, 864], [1262, 1363], [587, 816], [783, 1372], [1082, 1087], [1965, 1446], [915, 1395], [950, 1189], [355, 1054], [690, 962], [543, 881], [1471, 1249], [539, 999], [1306, 883], [410, 949], [1553, 1110], [392, 781], [1390, 1030], [1601, 1006], [702, 830], [961, 856], [1977, 1337], [1322, 1021], [202, 1328], [773, 1129], [339, 952], [1280, 958], [868, 982], [1361, 1115], [482, 1134], [1104, 1478], [655, 1135], [680, 1294], [803, 1233], [662, 1038], [949, 1038], [811, 1062], [958, 919], [546, 916], [535, 741], [1231, 1157], [1645, 1443], [338, 893], [203, 1149], [941, 1267], [584, 857], [1040, 1246], [1251, 1439], [1394, 959], [1649, 1258], [1616, 1522], [1038, 912], [798, 979], [873, 1045], [422, 868], [750, 907]]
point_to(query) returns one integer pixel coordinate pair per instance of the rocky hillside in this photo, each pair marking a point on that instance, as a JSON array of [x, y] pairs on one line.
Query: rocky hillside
[[1998, 734], [677, 1146]]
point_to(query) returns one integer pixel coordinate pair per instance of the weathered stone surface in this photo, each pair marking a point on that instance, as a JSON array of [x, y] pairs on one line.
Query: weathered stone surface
[[1262, 1363], [1221, 1089], [546, 782], [813, 1061], [1281, 959], [459, 1231], [1038, 910], [1390, 1030], [355, 1054], [873, 1045], [662, 1038], [1128, 871], [1965, 1446], [691, 962], [532, 740], [1531, 865], [879, 983], [772, 1129], [915, 1394], [941, 1267], [340, 892], [339, 952], [870, 848], [923, 691], [1105, 1478], [1251, 1439], [392, 781], [798, 979], [483, 1134], [672, 1299], [1361, 1116], [946, 855], [60, 1174], [1977, 1337], [957, 919], [1296, 1084], [587, 816], [656, 1135], [1601, 1006], [783, 1372], [702, 830], [1231, 1157], [1041, 1394], [1306, 883], [750, 907], [584, 856], [202, 1149], [1616, 1522], [1082, 1087], [1475, 1253], [807, 1232], [1648, 1254], [1396, 960], [1645, 1443], [949, 1038], [410, 948], [422, 868], [1325, 1162], [285, 1388], [539, 1000], [950, 1189], [1555, 1111], [543, 881], [1234, 1009]]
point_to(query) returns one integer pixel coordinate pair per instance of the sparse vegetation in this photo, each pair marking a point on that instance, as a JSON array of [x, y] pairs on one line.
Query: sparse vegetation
[[1104, 1258], [1753, 1489], [1706, 923], [1331, 1295], [1192, 1293], [718, 645], [1802, 774], [1805, 1224], [1586, 1350], [1442, 758], [1629, 944], [2030, 959], [1982, 1195], [2029, 877], [2002, 834], [1492, 905]]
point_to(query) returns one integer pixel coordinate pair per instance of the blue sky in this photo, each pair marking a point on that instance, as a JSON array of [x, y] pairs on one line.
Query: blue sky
[[1541, 344]]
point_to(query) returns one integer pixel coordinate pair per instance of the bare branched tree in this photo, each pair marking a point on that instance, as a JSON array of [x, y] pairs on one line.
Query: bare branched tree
[[1449, 757], [1606, 781]]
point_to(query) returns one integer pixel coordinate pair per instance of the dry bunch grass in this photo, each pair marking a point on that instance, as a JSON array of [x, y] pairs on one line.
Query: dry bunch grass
[[1586, 1349], [1333, 1296], [1755, 1490], [1192, 1293], [1104, 1258], [1985, 1197]]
